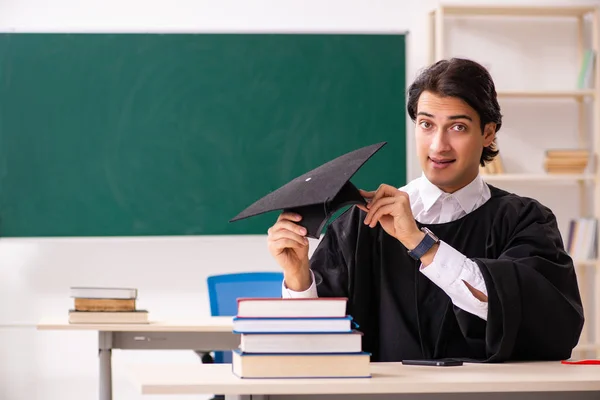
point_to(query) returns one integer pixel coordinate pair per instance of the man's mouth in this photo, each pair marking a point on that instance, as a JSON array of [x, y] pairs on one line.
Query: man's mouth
[[441, 161]]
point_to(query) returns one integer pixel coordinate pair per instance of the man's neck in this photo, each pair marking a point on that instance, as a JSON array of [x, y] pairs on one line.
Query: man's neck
[[454, 189]]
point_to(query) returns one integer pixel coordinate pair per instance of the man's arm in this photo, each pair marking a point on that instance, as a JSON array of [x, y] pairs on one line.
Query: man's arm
[[456, 275], [460, 279], [534, 306], [311, 292]]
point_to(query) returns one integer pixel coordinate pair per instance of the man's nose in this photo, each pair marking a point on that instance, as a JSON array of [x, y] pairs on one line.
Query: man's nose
[[439, 142]]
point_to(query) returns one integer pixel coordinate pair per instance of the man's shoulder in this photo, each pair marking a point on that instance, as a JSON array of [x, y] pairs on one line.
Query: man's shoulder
[[517, 205]]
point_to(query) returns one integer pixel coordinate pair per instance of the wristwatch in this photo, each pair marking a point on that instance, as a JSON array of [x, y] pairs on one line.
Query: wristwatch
[[428, 241]]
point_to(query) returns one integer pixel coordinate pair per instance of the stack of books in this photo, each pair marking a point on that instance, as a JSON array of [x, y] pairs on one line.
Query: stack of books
[[105, 305], [297, 338], [566, 161]]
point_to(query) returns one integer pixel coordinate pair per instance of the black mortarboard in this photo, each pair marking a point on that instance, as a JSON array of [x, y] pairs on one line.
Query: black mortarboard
[[319, 193]]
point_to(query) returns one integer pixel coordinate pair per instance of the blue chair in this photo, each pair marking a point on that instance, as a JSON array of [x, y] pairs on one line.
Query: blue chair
[[224, 290]]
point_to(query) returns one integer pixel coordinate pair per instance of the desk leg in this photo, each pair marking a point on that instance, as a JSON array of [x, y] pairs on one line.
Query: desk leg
[[105, 353]]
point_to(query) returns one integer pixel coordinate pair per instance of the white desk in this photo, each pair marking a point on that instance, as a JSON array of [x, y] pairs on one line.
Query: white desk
[[389, 380], [212, 333]]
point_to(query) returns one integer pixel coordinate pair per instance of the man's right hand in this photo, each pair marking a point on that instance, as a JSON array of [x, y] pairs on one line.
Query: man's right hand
[[289, 246]]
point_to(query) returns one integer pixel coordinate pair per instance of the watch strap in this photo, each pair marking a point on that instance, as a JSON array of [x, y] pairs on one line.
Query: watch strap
[[423, 247]]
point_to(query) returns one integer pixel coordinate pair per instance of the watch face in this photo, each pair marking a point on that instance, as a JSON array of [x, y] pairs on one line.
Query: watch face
[[427, 231]]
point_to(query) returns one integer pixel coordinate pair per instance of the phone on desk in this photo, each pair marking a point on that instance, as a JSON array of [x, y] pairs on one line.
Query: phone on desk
[[434, 363]]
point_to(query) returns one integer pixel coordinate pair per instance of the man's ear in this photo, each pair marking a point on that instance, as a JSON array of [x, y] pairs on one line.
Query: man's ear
[[489, 133]]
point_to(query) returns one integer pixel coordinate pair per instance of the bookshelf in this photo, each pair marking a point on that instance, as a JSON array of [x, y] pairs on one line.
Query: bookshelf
[[553, 178], [550, 94], [588, 106]]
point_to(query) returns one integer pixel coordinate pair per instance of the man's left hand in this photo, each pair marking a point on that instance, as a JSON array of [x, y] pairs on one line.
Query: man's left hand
[[391, 208]]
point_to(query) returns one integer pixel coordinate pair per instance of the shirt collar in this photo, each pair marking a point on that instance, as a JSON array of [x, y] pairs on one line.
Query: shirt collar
[[467, 196], [428, 192]]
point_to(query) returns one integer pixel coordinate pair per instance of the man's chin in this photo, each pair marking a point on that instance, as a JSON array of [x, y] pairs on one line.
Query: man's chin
[[442, 179]]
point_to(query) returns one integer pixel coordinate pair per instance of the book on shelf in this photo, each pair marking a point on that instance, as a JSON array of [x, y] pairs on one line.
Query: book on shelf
[[492, 167], [585, 79], [582, 239], [105, 305], [566, 161], [297, 338]]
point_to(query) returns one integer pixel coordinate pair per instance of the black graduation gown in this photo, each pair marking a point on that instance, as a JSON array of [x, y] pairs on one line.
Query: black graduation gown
[[534, 305]]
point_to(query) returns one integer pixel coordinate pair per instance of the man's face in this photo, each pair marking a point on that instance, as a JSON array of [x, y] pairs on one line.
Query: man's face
[[449, 140]]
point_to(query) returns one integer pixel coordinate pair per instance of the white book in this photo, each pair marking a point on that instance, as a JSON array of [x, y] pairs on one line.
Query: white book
[[295, 307], [88, 292], [301, 342]]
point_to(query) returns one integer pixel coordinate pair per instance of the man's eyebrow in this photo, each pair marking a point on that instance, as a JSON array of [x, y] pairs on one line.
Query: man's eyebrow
[[452, 117], [460, 116], [425, 114]]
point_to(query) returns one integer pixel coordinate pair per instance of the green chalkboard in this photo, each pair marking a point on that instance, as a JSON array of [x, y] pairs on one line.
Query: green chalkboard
[[174, 134]]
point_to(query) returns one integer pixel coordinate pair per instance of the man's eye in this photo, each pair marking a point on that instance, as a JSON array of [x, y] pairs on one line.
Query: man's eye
[[459, 128], [425, 124]]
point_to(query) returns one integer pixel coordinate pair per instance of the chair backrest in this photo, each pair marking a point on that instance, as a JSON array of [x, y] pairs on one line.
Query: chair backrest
[[224, 290]]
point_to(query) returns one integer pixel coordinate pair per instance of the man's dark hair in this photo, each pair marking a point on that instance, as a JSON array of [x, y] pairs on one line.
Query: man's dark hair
[[466, 80]]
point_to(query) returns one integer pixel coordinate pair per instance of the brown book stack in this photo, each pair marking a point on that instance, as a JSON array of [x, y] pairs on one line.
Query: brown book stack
[[493, 167], [566, 161], [103, 305]]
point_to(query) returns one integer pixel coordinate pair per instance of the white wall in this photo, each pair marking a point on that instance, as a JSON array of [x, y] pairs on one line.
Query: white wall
[[170, 272]]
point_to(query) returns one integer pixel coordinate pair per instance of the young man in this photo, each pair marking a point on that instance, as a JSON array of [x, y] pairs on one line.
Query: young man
[[448, 266]]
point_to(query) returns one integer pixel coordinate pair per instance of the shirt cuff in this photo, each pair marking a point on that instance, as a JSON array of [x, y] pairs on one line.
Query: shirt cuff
[[446, 266], [450, 270], [311, 292]]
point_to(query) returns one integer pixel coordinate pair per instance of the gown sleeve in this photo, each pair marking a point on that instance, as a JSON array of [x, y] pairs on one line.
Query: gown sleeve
[[332, 259], [348, 243], [534, 305]]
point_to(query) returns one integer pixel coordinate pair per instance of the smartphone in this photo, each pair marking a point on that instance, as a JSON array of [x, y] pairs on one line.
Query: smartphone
[[434, 363]]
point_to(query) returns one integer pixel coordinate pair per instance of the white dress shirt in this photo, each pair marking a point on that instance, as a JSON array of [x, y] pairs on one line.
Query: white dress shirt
[[449, 268]]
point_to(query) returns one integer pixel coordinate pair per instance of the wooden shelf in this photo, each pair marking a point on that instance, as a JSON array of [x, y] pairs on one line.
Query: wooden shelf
[[585, 263], [516, 10], [537, 177], [548, 94], [587, 126]]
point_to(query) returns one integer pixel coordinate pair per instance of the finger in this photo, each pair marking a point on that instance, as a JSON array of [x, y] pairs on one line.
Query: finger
[[374, 207], [382, 211], [279, 249], [289, 226], [365, 194], [383, 191], [278, 246], [364, 208], [290, 216], [285, 234]]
